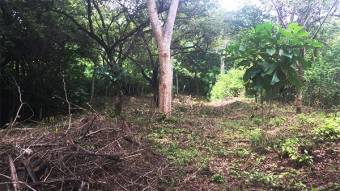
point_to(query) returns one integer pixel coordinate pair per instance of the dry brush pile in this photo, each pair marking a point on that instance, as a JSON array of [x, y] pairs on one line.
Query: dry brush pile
[[95, 153]]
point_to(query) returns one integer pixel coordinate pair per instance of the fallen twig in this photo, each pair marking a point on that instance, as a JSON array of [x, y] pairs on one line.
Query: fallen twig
[[69, 105], [20, 106], [14, 175]]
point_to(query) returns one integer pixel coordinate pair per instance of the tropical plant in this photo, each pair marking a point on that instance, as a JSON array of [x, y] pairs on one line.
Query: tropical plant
[[271, 54]]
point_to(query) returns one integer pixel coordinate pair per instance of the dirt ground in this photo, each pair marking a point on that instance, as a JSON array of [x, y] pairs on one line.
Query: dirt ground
[[229, 145]]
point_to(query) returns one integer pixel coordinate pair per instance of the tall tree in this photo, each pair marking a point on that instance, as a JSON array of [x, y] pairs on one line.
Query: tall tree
[[112, 25], [163, 36]]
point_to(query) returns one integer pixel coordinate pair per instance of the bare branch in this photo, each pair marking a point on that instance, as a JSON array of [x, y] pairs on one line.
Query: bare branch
[[69, 105], [279, 14], [14, 175], [324, 20], [17, 115]]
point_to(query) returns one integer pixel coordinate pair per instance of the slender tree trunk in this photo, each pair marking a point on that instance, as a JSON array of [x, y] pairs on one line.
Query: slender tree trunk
[[222, 65], [177, 84], [165, 80], [298, 101], [154, 84], [93, 83], [298, 96], [163, 36]]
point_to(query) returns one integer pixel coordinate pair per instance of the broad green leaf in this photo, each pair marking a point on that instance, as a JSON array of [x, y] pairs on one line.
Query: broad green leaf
[[241, 48], [275, 79], [270, 51], [283, 53]]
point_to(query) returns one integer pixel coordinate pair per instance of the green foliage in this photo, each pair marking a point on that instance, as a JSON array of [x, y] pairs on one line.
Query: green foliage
[[322, 82], [276, 121], [256, 137], [263, 178], [242, 152], [329, 131], [304, 119], [258, 121], [179, 155], [228, 85], [271, 55], [290, 148], [217, 178]]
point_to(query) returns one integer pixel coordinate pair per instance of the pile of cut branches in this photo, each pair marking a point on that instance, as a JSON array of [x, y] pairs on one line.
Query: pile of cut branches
[[96, 153]]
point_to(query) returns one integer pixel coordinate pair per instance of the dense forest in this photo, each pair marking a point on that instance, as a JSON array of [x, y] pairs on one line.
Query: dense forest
[[169, 95]]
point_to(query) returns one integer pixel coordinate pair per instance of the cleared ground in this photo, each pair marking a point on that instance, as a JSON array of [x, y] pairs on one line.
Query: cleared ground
[[229, 145]]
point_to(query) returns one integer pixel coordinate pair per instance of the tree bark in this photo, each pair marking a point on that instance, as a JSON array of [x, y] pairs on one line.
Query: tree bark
[[163, 36], [93, 83], [298, 101], [300, 73], [154, 85], [222, 65]]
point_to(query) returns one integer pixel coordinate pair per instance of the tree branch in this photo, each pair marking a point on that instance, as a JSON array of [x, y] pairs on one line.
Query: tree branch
[[154, 20], [324, 20], [171, 20]]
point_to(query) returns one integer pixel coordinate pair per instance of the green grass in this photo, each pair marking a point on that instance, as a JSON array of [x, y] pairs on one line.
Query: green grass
[[243, 148]]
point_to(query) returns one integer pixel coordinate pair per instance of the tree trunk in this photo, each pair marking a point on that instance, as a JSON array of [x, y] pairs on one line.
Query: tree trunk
[[163, 36], [298, 101], [165, 80], [93, 82], [154, 85], [222, 65], [177, 84], [298, 96]]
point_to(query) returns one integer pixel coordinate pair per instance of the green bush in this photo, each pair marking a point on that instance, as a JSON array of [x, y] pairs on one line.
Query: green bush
[[290, 147], [228, 85], [322, 82], [329, 131]]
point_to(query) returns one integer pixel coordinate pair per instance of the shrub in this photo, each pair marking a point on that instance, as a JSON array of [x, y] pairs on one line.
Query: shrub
[[329, 131], [322, 85], [290, 147], [228, 85]]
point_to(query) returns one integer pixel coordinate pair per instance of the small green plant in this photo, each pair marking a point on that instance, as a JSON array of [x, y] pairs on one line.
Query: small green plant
[[276, 121], [329, 131], [181, 156], [242, 153], [290, 147], [221, 152], [264, 178], [305, 120], [256, 137], [217, 178], [257, 121]]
